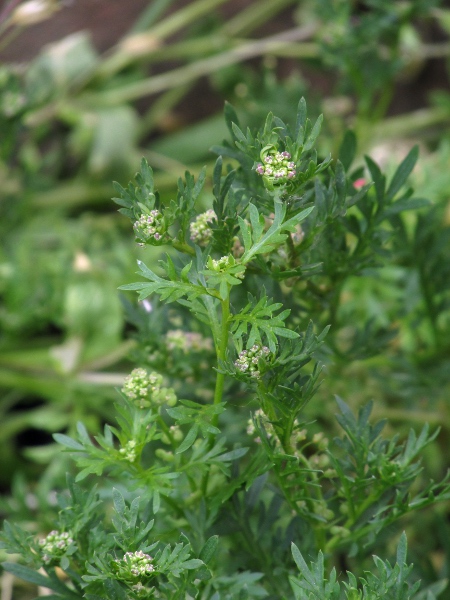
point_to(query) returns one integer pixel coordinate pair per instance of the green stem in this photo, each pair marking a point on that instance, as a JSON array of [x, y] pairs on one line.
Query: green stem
[[190, 72], [183, 247], [179, 19], [253, 16], [222, 349]]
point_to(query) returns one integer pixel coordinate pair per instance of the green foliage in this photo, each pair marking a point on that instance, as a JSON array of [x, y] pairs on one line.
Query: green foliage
[[178, 489], [301, 269], [389, 582]]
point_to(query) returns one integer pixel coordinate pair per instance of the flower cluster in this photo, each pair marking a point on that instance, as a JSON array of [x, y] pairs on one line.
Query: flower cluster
[[248, 360], [150, 227], [277, 168], [129, 451], [145, 389], [221, 264], [187, 341], [55, 545], [134, 565], [200, 229], [174, 434], [262, 420]]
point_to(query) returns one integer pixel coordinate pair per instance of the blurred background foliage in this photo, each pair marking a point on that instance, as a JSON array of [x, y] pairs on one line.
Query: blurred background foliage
[[79, 107]]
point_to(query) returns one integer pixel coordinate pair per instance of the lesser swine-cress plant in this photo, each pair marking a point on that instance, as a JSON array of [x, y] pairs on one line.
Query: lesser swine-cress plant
[[182, 512]]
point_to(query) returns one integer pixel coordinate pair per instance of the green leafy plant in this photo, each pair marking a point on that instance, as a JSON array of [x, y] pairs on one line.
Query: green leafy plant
[[194, 498]]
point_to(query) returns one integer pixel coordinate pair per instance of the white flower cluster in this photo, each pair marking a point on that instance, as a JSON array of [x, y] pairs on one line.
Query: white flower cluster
[[200, 229], [150, 227], [138, 563], [268, 427], [129, 451], [277, 167], [248, 360], [55, 545], [145, 389], [221, 264], [187, 341]]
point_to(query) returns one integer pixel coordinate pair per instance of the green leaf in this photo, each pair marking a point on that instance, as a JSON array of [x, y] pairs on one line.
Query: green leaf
[[378, 178], [402, 173], [300, 122], [314, 134], [188, 440], [168, 290], [209, 549], [347, 150], [403, 205], [67, 441], [119, 502], [301, 564], [230, 116], [274, 236], [402, 551], [31, 576], [193, 563]]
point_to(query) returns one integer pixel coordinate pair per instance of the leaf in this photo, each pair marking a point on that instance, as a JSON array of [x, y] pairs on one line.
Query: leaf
[[314, 134], [403, 205], [274, 236], [347, 150], [209, 549], [378, 178], [67, 441], [301, 564], [300, 122], [402, 551], [168, 290], [238, 133], [188, 440], [230, 116], [402, 173], [232, 455], [193, 563], [119, 502], [31, 576], [340, 181]]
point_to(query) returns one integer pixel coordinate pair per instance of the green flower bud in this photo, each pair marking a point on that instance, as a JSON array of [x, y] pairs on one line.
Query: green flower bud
[[164, 455], [55, 546]]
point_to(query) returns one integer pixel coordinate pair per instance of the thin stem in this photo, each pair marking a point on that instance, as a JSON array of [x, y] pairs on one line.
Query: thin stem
[[253, 16], [183, 247], [222, 347], [187, 73], [181, 18]]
